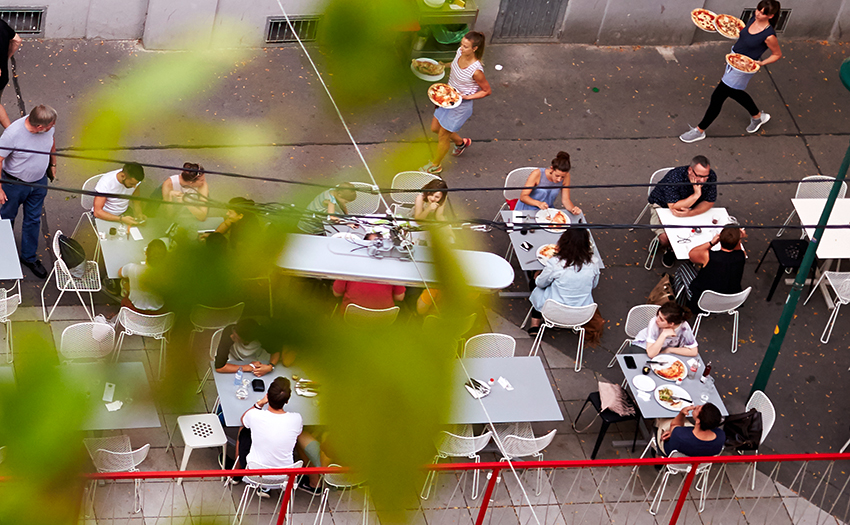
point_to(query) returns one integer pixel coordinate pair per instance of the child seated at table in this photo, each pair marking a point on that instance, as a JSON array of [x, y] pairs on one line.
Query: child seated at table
[[244, 342], [668, 332]]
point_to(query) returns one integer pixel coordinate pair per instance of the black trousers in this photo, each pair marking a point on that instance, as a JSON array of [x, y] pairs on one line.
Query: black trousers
[[721, 93]]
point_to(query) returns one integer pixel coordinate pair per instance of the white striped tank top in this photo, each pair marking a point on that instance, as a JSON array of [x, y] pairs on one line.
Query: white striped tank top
[[461, 78]]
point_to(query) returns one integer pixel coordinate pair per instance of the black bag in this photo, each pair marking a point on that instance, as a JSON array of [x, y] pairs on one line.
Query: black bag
[[73, 255], [743, 431]]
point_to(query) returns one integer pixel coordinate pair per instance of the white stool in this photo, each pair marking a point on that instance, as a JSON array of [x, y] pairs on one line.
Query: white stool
[[200, 431]]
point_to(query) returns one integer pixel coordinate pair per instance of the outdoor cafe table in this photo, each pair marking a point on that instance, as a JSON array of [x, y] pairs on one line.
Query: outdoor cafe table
[[337, 258], [119, 251], [131, 387], [538, 237], [835, 243], [684, 239], [532, 398], [10, 266]]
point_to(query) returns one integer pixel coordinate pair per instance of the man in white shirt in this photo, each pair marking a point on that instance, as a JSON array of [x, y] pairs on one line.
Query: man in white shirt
[[125, 181]]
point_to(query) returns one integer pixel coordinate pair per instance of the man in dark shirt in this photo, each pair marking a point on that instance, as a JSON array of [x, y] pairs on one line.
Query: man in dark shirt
[[705, 438], [683, 200], [10, 41], [722, 270]]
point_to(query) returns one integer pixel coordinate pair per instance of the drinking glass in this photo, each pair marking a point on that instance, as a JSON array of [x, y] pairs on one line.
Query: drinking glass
[[707, 386]]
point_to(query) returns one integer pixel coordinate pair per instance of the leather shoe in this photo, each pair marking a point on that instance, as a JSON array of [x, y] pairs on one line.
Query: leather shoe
[[36, 268]]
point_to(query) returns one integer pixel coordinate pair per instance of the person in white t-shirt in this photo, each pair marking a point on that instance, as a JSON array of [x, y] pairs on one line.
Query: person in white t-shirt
[[141, 298], [125, 181], [668, 333]]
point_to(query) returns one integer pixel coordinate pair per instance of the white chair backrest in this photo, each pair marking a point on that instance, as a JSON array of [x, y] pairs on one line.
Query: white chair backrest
[[214, 342], [657, 176], [639, 318], [60, 264], [840, 282], [515, 179], [490, 345], [435, 323], [367, 202], [361, 317], [114, 453], [341, 480], [8, 304], [87, 201], [761, 402], [517, 447], [461, 446], [210, 318], [718, 303], [567, 316], [818, 190], [270, 481], [675, 468], [144, 324], [409, 180], [87, 340]]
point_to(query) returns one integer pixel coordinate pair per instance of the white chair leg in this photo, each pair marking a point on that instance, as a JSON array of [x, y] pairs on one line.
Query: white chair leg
[[639, 217], [696, 325], [204, 381], [539, 474], [118, 346], [162, 357], [734, 331], [475, 478], [814, 288], [430, 479], [322, 504], [580, 352], [702, 482], [753, 484], [653, 249], [187, 451], [9, 356], [782, 230], [619, 351], [243, 504], [527, 317], [656, 501], [830, 324], [538, 340]]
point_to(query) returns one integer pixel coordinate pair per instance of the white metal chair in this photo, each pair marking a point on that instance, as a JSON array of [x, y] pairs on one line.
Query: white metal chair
[[253, 484], [362, 317], [655, 242], [65, 282], [87, 341], [638, 319], [211, 318], [87, 202], [761, 402], [214, 342], [840, 283], [516, 440], [368, 199], [514, 179], [813, 190], [557, 315], [489, 345], [682, 468], [8, 304], [342, 482], [720, 303], [199, 431], [463, 444], [156, 326], [114, 454], [408, 180]]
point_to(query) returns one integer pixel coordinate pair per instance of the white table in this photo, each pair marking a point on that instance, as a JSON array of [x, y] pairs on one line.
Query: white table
[[683, 240], [10, 265], [834, 243], [538, 237], [335, 258]]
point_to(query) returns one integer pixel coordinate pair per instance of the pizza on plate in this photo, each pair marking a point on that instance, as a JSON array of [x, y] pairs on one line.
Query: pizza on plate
[[728, 25], [558, 218], [675, 370], [444, 95], [704, 19], [548, 251], [429, 68], [742, 63]]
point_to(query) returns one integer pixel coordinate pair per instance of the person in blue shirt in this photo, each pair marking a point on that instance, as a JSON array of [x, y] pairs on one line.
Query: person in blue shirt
[[705, 438], [545, 186]]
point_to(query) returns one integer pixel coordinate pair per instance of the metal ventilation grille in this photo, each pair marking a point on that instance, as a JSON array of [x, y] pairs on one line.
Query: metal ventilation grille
[[24, 21], [279, 32], [781, 20]]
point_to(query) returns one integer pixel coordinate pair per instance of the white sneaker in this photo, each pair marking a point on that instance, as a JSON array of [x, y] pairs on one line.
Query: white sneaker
[[755, 123], [692, 135]]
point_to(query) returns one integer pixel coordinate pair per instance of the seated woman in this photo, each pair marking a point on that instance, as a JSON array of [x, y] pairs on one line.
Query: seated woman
[[568, 277], [430, 205], [329, 202], [189, 186], [668, 332], [545, 184], [142, 297], [244, 342]]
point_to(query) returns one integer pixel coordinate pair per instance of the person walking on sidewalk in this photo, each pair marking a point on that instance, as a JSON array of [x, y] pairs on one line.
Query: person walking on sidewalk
[[33, 132], [10, 41], [757, 37], [467, 76]]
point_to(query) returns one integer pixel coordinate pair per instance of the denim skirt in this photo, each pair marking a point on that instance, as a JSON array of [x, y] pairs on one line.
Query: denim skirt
[[451, 119]]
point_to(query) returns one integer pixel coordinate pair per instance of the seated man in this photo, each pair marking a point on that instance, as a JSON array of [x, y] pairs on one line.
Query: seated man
[[377, 296], [329, 202], [142, 297], [722, 270], [683, 200], [125, 181], [243, 342], [705, 438]]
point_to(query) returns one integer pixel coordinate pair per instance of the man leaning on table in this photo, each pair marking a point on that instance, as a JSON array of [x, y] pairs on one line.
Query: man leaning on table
[[683, 200], [125, 181], [244, 342], [704, 438]]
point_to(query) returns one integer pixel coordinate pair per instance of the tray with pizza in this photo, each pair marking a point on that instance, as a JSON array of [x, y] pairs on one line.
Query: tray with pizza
[[704, 19], [444, 95], [669, 367], [742, 63], [545, 252], [729, 26]]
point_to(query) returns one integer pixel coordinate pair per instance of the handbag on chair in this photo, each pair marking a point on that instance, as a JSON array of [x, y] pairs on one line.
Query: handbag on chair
[[662, 292]]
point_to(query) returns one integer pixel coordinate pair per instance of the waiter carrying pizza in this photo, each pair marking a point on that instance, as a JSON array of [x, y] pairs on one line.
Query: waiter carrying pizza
[[755, 38]]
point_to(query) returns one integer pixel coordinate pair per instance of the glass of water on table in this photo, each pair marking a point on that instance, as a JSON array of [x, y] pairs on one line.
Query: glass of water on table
[[705, 388]]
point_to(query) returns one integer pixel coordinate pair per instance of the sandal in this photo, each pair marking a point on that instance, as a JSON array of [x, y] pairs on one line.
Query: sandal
[[533, 330]]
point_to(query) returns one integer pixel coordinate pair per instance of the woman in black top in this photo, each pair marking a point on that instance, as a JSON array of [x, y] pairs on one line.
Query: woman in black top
[[757, 37]]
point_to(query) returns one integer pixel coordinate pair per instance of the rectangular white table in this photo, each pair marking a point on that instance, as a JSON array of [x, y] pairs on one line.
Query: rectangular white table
[[337, 258], [538, 237], [10, 265], [131, 387], [835, 243], [683, 240]]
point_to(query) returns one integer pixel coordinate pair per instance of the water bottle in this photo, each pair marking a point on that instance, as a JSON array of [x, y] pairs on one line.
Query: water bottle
[[237, 380]]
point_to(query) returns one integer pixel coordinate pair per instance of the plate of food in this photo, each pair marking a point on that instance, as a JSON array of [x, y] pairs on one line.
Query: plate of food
[[704, 19], [742, 63], [444, 95], [545, 252], [428, 69], [729, 26], [552, 216], [673, 397], [306, 388], [669, 367]]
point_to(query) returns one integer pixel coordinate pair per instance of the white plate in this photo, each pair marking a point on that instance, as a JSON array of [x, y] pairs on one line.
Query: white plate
[[667, 360], [547, 216], [423, 76], [678, 392], [540, 257], [644, 383], [456, 103]]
